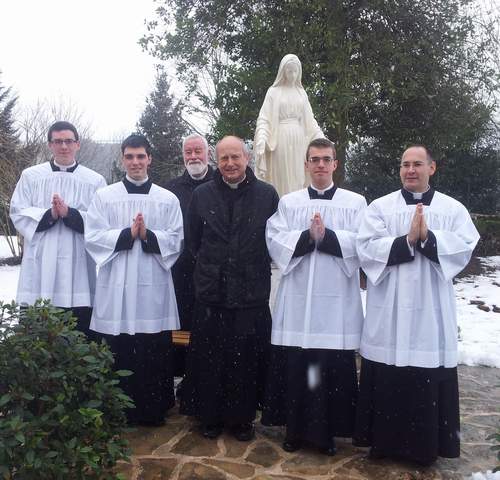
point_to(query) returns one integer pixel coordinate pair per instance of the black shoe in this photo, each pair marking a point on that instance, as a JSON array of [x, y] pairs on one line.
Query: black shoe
[[374, 455], [155, 422], [291, 445], [331, 450], [178, 390], [211, 431], [244, 432]]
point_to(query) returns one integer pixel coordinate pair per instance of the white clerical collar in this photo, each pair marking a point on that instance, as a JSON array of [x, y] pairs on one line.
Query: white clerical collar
[[418, 195], [63, 168], [137, 183], [322, 192], [234, 186], [199, 177]]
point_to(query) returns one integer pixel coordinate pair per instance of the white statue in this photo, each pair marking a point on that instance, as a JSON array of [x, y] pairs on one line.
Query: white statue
[[285, 127]]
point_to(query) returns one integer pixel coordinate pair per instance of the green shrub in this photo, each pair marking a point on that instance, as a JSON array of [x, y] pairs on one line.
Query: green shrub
[[488, 227], [61, 410]]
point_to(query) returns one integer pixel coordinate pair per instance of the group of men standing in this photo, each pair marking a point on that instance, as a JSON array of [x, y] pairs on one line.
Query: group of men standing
[[299, 367]]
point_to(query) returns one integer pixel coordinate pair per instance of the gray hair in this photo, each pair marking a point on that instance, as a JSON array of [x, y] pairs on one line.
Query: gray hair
[[196, 135]]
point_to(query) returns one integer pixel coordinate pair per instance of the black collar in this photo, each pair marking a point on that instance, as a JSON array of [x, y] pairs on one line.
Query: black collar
[[55, 168], [132, 188], [327, 194], [186, 178], [425, 200]]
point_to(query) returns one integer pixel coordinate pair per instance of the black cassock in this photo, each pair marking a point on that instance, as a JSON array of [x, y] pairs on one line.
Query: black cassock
[[182, 272], [148, 355], [313, 392], [408, 412], [226, 364], [228, 354]]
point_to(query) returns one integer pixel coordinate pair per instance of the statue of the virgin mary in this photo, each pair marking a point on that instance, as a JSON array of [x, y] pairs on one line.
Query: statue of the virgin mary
[[285, 127]]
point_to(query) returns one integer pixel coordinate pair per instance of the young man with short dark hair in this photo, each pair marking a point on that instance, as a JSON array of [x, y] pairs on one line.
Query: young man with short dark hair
[[134, 232]]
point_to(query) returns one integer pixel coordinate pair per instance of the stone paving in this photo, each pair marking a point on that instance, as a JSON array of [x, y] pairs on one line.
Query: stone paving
[[177, 451]]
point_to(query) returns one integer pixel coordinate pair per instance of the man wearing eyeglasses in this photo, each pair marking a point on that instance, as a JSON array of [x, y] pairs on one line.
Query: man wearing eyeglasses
[[48, 209], [411, 243], [318, 316]]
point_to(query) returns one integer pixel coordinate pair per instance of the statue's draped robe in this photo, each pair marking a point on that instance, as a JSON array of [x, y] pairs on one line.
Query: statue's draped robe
[[286, 123]]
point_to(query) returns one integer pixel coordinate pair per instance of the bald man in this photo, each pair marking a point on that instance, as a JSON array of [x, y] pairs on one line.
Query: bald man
[[411, 243], [232, 278]]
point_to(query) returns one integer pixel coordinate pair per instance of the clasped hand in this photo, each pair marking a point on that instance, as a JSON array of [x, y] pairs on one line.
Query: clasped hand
[[418, 227], [138, 228], [317, 228], [59, 209]]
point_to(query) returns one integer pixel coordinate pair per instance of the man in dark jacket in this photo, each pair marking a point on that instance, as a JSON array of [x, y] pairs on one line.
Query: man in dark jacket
[[195, 154], [231, 325]]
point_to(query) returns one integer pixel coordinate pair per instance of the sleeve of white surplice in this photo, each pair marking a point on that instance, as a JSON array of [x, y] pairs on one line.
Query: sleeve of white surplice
[[83, 211], [100, 238], [373, 244], [454, 248], [171, 239], [24, 215], [349, 263], [281, 240]]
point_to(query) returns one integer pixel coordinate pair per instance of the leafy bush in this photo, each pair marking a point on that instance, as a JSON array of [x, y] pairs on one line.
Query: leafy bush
[[488, 227], [61, 410]]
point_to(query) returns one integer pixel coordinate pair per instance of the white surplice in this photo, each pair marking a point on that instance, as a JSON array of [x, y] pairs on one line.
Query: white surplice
[[55, 264], [318, 303], [411, 312], [134, 292]]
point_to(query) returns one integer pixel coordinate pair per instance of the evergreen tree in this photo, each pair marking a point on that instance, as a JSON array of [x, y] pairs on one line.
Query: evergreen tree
[[162, 123], [9, 141], [380, 72], [11, 163]]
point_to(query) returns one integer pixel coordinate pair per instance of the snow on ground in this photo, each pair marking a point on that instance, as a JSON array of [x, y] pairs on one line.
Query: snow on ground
[[8, 275], [485, 476], [479, 330], [4, 247], [8, 283]]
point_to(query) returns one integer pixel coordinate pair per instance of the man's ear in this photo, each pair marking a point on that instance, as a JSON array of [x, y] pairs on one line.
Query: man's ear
[[433, 168]]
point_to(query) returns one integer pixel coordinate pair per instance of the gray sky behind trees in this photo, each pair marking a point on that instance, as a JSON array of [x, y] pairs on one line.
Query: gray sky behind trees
[[83, 53]]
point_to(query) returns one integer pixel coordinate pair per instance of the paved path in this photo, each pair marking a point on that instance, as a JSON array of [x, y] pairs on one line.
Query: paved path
[[177, 451]]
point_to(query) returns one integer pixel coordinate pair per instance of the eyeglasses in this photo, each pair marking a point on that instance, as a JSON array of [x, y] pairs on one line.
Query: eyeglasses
[[317, 160], [67, 141]]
